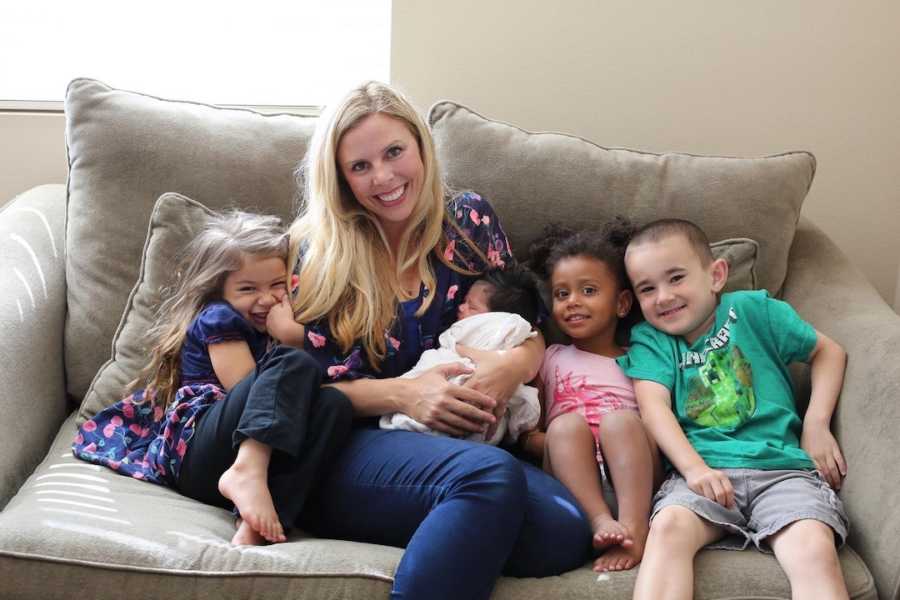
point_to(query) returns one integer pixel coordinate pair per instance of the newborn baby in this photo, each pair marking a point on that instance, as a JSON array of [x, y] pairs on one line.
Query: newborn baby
[[498, 313]]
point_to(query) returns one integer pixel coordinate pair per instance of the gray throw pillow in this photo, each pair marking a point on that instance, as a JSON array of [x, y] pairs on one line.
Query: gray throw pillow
[[175, 220], [125, 150], [534, 178]]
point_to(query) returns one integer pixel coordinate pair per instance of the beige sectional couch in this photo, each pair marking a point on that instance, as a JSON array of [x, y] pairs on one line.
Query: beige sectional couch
[[70, 256]]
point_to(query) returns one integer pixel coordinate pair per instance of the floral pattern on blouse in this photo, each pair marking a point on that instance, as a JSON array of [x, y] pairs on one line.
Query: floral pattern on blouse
[[474, 216]]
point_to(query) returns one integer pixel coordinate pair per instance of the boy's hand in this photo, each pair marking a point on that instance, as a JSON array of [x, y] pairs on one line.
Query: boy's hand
[[824, 451], [711, 483]]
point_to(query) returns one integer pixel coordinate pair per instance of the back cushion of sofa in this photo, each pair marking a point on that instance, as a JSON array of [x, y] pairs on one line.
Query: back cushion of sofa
[[532, 178], [126, 149]]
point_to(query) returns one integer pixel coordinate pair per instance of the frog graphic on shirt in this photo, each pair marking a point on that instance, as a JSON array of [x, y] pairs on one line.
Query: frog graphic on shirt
[[721, 392]]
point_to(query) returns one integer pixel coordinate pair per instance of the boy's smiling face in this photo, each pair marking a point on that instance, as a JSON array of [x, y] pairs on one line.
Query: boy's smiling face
[[677, 293]]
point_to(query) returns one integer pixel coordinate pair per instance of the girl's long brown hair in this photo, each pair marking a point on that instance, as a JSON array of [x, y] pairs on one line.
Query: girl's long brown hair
[[218, 250]]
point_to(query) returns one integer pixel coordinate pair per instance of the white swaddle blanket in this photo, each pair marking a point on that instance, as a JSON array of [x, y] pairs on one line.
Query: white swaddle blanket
[[487, 331]]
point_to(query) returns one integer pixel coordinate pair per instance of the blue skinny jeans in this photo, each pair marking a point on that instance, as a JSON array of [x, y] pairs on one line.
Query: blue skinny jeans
[[465, 512]]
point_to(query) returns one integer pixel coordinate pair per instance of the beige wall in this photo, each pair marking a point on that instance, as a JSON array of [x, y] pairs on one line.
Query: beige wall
[[733, 78], [32, 152]]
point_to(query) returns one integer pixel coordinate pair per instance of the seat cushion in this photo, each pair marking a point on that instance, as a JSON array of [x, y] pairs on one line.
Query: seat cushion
[[125, 150], [534, 178], [80, 529]]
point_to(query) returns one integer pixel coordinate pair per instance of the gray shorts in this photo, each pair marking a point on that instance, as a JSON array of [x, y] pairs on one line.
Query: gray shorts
[[765, 502]]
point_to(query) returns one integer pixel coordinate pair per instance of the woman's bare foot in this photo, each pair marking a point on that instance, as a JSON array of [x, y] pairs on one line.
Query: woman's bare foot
[[249, 490], [246, 535], [609, 532], [624, 557]]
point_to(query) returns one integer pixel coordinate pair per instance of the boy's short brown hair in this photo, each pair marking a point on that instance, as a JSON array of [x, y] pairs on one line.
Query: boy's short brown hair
[[663, 228]]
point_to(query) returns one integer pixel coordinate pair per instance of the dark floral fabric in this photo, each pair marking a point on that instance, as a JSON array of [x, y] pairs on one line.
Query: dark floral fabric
[[474, 216], [137, 439]]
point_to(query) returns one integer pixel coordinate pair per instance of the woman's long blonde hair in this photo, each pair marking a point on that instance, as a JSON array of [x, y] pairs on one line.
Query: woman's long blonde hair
[[219, 249], [349, 274]]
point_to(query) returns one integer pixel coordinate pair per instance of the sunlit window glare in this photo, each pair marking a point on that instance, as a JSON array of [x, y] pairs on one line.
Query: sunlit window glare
[[261, 53]]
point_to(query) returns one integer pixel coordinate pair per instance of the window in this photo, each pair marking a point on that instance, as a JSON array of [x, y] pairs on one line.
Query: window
[[260, 53]]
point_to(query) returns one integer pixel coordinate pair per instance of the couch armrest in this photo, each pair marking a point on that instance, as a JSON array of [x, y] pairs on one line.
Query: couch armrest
[[32, 318], [837, 299]]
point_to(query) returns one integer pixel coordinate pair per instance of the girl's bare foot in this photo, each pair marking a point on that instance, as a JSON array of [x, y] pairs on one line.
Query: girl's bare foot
[[609, 532], [249, 490], [247, 536], [624, 557]]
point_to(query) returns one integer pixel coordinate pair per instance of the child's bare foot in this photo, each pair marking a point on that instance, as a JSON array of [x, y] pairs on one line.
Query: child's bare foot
[[247, 536], [609, 532], [249, 491], [622, 557]]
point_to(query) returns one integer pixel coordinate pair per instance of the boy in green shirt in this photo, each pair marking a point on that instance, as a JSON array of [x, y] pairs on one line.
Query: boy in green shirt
[[713, 389]]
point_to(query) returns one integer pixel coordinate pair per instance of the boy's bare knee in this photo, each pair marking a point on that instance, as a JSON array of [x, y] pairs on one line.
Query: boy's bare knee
[[676, 525], [808, 542]]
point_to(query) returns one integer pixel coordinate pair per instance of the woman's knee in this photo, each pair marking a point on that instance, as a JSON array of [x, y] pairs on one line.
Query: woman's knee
[[495, 471]]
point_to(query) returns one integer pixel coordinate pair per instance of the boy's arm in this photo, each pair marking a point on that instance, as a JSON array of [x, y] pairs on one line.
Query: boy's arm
[[654, 401], [827, 362]]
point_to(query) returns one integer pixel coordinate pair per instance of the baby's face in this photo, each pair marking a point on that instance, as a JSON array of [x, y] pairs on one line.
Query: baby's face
[[477, 301]]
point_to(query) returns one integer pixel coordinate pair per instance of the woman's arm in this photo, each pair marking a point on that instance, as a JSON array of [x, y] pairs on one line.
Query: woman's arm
[[231, 361], [429, 399]]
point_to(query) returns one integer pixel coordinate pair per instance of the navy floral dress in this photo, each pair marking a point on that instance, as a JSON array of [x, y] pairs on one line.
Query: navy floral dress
[[410, 336], [135, 438]]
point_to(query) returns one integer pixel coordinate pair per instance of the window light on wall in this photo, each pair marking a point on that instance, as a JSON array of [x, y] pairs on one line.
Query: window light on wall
[[260, 53]]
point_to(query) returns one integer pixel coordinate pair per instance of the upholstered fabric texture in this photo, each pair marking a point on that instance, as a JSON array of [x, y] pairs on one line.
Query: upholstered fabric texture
[[534, 178], [125, 150], [175, 220], [121, 536]]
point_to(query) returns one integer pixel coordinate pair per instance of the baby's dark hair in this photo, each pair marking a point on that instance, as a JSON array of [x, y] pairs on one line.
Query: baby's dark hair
[[663, 228], [515, 290], [606, 245]]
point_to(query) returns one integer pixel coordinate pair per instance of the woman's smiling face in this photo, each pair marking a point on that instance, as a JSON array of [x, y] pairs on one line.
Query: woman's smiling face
[[379, 159]]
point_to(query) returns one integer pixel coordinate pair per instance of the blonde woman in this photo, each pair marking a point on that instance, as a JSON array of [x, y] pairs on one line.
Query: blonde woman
[[384, 257]]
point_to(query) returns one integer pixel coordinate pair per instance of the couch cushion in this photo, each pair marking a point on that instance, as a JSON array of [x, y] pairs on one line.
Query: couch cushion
[[125, 149], [174, 222], [77, 528], [533, 178]]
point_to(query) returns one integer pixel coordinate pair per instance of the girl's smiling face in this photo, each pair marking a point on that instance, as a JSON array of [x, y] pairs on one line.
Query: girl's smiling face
[[587, 301], [379, 159], [256, 287]]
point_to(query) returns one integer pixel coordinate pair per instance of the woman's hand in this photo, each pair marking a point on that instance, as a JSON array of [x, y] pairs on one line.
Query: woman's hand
[[449, 408], [495, 375]]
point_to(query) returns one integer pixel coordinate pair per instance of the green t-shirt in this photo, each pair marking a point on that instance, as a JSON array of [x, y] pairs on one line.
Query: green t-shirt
[[732, 392]]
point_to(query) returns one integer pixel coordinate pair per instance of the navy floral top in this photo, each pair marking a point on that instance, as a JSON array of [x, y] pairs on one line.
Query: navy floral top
[[410, 336], [135, 438]]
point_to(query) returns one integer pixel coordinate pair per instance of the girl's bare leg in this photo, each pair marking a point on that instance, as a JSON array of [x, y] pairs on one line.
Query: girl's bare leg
[[667, 570], [246, 484], [570, 456], [630, 462]]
